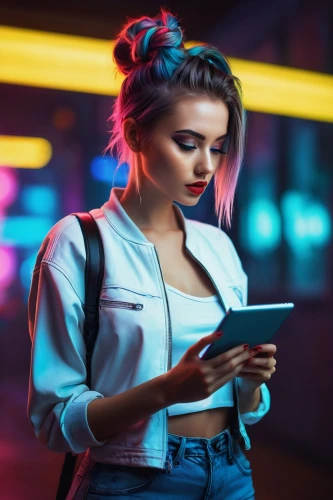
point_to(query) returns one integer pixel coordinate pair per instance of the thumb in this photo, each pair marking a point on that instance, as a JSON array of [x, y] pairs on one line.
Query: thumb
[[195, 349]]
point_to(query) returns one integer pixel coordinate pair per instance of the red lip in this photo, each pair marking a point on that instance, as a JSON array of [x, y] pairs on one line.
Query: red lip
[[199, 184], [196, 189]]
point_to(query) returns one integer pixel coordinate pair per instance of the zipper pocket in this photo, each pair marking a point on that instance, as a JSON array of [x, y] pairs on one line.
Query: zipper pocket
[[120, 304]]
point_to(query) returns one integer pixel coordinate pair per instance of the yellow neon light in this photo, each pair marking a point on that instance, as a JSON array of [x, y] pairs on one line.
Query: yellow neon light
[[80, 64], [24, 152]]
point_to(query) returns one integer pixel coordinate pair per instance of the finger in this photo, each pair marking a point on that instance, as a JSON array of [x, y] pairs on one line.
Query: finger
[[226, 377], [232, 367], [256, 369], [261, 362], [263, 377], [233, 357], [249, 371], [267, 350], [250, 376], [195, 349]]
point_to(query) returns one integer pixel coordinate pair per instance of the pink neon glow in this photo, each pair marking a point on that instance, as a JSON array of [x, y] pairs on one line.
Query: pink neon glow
[[8, 187], [8, 266]]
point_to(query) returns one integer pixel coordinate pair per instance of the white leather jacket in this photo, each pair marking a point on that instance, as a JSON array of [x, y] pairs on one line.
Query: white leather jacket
[[134, 342]]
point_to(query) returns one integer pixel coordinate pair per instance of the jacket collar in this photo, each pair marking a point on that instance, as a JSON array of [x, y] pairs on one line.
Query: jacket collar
[[124, 225], [127, 229]]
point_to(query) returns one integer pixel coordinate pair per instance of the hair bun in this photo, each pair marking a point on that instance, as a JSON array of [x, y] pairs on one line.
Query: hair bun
[[142, 40], [211, 54]]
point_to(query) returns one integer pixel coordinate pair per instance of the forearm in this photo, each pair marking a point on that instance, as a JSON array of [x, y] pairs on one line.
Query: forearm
[[249, 401], [112, 414]]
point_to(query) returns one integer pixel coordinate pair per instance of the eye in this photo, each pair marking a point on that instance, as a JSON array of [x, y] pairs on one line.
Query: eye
[[218, 152], [186, 147]]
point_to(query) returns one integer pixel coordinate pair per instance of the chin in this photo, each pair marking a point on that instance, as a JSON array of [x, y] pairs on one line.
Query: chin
[[188, 202]]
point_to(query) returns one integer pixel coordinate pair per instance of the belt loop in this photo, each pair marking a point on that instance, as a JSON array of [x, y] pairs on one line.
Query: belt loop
[[231, 458], [168, 464], [180, 453]]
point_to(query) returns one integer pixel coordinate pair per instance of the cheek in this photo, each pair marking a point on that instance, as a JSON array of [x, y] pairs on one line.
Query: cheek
[[167, 166]]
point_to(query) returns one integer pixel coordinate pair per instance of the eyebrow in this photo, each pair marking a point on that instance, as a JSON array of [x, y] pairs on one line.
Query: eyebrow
[[200, 136]]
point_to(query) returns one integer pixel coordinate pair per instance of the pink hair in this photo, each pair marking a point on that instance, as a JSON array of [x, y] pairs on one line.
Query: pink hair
[[159, 72]]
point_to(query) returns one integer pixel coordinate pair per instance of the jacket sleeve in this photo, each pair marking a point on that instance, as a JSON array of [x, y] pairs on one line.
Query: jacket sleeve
[[58, 396], [264, 405], [252, 417]]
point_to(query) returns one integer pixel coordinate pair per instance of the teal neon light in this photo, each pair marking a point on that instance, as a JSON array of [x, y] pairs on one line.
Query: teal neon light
[[307, 223], [260, 227], [24, 231], [39, 200]]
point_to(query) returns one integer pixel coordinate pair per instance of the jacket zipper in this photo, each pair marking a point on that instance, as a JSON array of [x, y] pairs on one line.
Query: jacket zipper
[[169, 350], [120, 304], [169, 344]]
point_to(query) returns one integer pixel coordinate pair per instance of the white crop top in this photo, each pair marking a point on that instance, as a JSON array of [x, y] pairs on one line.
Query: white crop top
[[193, 318]]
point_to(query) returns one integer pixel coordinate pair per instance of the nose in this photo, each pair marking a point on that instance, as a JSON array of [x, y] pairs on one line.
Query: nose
[[207, 163]]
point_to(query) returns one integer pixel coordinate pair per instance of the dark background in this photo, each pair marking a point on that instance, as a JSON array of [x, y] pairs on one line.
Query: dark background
[[287, 159]]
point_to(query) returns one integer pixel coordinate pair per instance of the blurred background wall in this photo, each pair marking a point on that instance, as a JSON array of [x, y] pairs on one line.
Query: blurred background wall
[[282, 225]]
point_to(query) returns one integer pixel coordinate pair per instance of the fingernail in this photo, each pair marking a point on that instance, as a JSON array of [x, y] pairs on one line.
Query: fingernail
[[257, 347], [218, 334], [245, 346]]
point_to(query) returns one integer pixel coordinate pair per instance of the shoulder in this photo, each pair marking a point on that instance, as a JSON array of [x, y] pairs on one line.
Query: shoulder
[[63, 249], [63, 240]]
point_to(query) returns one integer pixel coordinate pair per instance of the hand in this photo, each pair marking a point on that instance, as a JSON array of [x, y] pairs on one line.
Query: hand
[[194, 379], [259, 368]]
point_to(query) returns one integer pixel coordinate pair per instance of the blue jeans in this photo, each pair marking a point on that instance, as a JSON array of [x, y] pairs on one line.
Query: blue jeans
[[196, 468]]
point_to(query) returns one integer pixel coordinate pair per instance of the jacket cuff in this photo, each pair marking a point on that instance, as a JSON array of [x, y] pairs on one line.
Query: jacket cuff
[[252, 417], [75, 425]]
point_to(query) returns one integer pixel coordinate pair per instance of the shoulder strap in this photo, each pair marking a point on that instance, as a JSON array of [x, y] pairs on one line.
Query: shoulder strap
[[94, 271]]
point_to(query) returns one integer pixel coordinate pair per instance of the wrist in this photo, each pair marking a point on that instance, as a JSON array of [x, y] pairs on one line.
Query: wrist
[[248, 385], [249, 396], [165, 390]]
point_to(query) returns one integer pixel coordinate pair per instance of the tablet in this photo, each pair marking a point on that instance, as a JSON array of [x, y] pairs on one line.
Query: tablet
[[251, 325]]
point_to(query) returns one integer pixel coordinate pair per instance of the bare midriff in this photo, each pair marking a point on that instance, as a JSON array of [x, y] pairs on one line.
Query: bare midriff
[[207, 423]]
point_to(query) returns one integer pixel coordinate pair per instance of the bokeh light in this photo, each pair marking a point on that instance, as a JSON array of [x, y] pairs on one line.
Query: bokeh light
[[39, 200], [307, 223], [8, 266], [25, 231], [64, 119], [8, 187], [103, 168], [26, 270], [260, 227]]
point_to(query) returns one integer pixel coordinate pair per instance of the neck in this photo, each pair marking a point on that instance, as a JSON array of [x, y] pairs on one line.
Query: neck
[[151, 212]]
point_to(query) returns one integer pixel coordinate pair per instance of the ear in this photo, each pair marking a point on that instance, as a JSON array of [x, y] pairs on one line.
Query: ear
[[131, 131]]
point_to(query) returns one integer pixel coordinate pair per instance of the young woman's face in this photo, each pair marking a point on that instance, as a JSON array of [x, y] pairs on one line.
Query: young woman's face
[[185, 147]]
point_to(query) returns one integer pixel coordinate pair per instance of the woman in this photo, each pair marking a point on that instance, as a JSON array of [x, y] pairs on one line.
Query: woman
[[158, 421]]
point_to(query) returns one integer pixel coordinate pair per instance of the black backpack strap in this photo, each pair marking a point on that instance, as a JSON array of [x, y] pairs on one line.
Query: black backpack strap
[[94, 272]]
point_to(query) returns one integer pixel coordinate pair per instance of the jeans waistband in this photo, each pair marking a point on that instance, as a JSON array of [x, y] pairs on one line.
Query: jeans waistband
[[178, 446]]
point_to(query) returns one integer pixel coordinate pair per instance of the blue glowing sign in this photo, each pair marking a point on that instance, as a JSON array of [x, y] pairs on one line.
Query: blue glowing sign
[[41, 200], [25, 231], [103, 168]]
